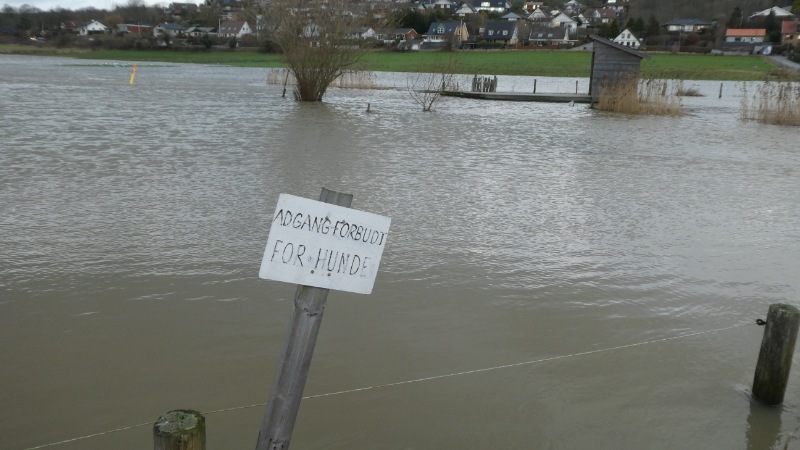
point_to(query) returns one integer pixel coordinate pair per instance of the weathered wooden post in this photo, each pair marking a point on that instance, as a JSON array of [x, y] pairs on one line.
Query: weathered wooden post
[[534, 85], [775, 357], [181, 429], [576, 86], [720, 90], [320, 248], [285, 82]]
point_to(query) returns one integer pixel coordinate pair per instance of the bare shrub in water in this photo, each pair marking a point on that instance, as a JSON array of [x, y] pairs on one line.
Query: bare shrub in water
[[681, 91], [355, 79], [426, 87], [776, 103], [631, 95], [317, 41]]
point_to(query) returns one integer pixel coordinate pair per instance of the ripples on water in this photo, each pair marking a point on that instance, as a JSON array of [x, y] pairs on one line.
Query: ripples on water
[[518, 230]]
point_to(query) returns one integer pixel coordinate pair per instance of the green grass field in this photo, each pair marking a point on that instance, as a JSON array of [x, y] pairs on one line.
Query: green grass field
[[531, 63]]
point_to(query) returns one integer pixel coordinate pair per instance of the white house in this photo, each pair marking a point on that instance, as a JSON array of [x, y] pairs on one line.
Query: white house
[[465, 10], [628, 39], [93, 27], [234, 28], [564, 21], [172, 29], [363, 33], [778, 12]]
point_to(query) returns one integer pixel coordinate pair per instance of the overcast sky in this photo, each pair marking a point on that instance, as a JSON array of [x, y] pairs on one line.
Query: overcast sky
[[77, 4]]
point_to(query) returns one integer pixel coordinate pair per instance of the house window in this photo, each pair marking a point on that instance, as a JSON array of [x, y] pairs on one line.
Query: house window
[[440, 30], [485, 4], [491, 32], [505, 32]]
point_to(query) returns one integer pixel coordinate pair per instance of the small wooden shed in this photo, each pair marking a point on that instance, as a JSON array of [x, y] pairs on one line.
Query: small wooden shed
[[611, 63]]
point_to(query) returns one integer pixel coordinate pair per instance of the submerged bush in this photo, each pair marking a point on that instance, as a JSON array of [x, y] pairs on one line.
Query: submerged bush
[[632, 95], [776, 103]]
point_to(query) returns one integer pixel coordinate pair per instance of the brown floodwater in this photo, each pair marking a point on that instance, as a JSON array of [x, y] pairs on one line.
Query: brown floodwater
[[134, 219]]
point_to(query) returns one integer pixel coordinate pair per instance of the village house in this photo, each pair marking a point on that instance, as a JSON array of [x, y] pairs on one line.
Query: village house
[[234, 28], [363, 33], [530, 6], [135, 29], [790, 32], [196, 31], [444, 6], [492, 6], [564, 21], [747, 36], [230, 7], [397, 35], [177, 11], [601, 15], [777, 12], [687, 26], [170, 29], [93, 27], [501, 32], [547, 36], [465, 9], [442, 32], [512, 17], [749, 40], [540, 16], [628, 39]]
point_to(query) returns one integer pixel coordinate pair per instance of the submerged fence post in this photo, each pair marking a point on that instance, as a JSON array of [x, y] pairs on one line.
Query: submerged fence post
[[720, 90], [534, 85], [775, 357], [181, 429], [285, 82]]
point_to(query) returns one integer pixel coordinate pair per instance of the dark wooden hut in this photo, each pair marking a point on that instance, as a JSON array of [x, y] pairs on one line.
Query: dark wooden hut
[[612, 63]]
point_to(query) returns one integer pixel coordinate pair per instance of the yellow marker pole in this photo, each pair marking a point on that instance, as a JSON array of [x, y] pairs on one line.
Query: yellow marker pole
[[133, 73]]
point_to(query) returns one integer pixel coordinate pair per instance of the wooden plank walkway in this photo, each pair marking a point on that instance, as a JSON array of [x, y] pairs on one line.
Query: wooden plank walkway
[[522, 97]]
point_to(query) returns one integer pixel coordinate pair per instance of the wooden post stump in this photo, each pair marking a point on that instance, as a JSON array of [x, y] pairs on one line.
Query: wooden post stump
[[182, 429], [775, 357]]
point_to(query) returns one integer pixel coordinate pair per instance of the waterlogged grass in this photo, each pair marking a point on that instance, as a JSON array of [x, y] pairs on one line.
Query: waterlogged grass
[[230, 58], [541, 63], [707, 67], [14, 49], [530, 63]]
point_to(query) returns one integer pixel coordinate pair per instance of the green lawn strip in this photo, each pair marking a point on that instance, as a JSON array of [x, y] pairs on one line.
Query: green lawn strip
[[544, 63], [15, 49], [481, 62], [706, 67], [232, 58]]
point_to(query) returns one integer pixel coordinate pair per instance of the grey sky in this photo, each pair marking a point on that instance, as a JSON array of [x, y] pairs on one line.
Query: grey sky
[[74, 4]]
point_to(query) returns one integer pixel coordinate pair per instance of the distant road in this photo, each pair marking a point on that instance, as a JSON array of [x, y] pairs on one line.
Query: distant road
[[782, 60]]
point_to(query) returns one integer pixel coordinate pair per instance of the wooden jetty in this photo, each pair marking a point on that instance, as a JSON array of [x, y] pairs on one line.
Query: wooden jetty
[[523, 97]]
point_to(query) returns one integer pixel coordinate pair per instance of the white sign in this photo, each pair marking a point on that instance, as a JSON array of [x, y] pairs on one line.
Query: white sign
[[324, 245]]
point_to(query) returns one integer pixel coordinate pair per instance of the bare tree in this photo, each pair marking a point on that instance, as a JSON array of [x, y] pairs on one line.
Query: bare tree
[[317, 39], [426, 87]]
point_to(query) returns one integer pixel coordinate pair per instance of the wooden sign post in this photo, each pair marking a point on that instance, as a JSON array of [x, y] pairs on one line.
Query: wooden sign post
[[320, 246]]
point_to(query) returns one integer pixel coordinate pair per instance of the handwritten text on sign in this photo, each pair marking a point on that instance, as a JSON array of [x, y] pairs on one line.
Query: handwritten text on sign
[[324, 245]]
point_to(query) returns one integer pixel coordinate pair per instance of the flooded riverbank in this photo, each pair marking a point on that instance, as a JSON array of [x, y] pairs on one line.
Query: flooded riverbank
[[135, 218]]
